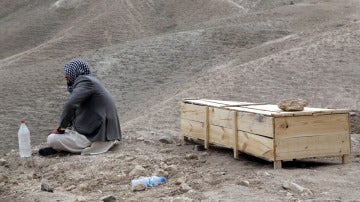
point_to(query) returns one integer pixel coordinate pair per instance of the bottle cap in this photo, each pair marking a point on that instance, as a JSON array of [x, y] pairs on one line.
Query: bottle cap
[[163, 179], [22, 121]]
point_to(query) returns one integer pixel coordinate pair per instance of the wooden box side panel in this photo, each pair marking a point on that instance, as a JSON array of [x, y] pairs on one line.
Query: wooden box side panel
[[255, 123], [299, 126], [193, 129], [193, 112], [221, 117], [221, 136], [312, 146], [256, 145]]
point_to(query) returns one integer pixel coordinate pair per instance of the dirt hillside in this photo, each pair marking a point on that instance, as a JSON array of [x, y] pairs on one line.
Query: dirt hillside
[[150, 55]]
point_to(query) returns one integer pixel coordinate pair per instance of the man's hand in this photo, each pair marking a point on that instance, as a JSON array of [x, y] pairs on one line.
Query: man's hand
[[57, 130]]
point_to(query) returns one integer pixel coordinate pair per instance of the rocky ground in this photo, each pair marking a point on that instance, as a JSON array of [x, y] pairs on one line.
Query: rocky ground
[[211, 175], [151, 55]]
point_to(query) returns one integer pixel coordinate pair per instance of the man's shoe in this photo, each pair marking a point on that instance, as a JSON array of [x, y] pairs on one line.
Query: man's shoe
[[47, 151]]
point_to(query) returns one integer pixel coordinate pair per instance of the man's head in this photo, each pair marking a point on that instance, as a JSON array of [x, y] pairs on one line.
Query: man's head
[[73, 70]]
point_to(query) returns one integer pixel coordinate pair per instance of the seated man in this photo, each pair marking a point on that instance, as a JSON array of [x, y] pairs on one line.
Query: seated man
[[91, 112]]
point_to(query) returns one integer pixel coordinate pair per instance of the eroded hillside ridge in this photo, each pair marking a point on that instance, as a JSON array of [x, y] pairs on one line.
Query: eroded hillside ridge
[[152, 54]]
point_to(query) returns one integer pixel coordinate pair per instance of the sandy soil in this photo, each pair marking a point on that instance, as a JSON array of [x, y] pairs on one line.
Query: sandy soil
[[151, 55]]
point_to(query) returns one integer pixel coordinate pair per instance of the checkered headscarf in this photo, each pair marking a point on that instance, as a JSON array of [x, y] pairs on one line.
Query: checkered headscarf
[[74, 69]]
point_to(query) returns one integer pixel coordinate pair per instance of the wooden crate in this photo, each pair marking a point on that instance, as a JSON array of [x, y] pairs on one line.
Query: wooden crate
[[266, 131]]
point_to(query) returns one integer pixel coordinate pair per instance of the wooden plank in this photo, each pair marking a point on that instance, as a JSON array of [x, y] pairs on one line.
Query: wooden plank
[[226, 103], [204, 103], [345, 158], [256, 145], [207, 127], [221, 136], [267, 107], [277, 164], [308, 111], [192, 129], [313, 146], [218, 103], [255, 123], [286, 127], [236, 135], [221, 117], [256, 111], [348, 120], [193, 112], [311, 112]]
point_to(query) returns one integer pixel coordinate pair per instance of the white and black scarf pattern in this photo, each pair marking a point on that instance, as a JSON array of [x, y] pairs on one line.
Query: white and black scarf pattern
[[74, 69]]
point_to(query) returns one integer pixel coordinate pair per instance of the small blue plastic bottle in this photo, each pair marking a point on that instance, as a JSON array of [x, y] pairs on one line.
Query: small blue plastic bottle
[[152, 181], [155, 181]]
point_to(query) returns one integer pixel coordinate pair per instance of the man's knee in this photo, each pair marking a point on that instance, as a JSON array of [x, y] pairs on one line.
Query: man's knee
[[53, 140]]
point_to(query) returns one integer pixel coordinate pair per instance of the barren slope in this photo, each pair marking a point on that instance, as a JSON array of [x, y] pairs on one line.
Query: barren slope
[[38, 37], [153, 53]]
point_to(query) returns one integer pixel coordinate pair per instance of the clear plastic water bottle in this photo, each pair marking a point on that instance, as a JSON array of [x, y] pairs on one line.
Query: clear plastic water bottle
[[24, 140], [152, 181]]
